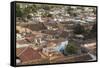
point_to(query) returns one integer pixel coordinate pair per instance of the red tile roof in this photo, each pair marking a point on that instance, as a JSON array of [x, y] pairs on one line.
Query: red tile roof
[[28, 54], [35, 27], [51, 32], [22, 42]]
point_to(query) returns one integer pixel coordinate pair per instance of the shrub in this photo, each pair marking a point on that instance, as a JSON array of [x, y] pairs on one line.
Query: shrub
[[71, 48], [79, 29]]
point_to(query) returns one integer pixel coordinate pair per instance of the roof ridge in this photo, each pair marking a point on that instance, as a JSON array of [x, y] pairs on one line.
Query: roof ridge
[[23, 51]]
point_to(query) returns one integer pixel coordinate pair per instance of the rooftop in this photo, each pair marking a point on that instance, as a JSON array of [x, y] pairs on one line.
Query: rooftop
[[27, 54]]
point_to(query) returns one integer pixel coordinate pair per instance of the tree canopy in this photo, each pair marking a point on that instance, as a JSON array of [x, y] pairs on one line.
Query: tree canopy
[[78, 29], [71, 48]]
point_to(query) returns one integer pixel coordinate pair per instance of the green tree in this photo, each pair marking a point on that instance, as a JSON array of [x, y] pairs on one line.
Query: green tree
[[71, 48], [24, 12], [94, 10], [93, 31], [94, 28], [69, 10], [79, 29], [19, 12]]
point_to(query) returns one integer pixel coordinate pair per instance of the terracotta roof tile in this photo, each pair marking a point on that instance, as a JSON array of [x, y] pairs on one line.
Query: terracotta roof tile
[[28, 54], [22, 42]]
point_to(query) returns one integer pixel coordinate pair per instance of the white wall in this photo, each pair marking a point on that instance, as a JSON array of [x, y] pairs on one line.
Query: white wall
[[5, 34]]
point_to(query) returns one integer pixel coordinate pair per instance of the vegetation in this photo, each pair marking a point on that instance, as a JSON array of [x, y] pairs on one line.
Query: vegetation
[[78, 29], [24, 12], [29, 16], [71, 48], [93, 31], [19, 12]]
